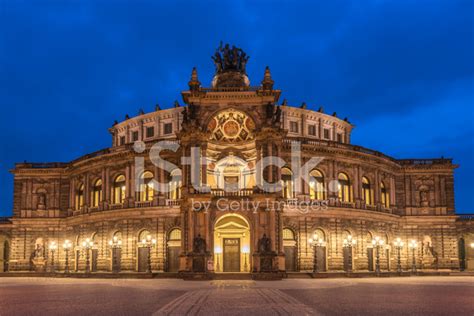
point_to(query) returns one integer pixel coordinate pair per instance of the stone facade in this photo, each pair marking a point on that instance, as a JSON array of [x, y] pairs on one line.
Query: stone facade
[[100, 196]]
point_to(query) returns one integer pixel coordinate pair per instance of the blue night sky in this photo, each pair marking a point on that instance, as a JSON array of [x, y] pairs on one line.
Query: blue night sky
[[402, 71]]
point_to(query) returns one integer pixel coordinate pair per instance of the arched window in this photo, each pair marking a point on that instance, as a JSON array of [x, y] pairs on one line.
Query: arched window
[[175, 185], [80, 197], [144, 235], [316, 185], [384, 196], [367, 191], [96, 195], [118, 190], [287, 182], [344, 188], [318, 234], [146, 187], [174, 234], [288, 234]]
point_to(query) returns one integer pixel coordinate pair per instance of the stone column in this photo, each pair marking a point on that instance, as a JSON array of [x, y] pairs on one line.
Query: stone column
[[203, 164], [87, 191]]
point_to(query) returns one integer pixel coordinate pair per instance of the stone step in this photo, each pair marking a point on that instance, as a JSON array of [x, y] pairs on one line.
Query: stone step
[[232, 276]]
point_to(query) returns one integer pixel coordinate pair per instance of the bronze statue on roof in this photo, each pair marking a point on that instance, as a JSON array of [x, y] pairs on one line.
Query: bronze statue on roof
[[228, 58]]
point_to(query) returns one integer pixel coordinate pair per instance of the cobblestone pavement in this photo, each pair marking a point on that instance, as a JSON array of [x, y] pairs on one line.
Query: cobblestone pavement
[[374, 296]]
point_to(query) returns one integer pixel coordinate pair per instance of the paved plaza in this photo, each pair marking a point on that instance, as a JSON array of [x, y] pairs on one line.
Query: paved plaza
[[371, 296]]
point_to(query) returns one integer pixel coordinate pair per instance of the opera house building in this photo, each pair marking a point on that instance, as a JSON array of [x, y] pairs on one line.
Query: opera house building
[[235, 180]]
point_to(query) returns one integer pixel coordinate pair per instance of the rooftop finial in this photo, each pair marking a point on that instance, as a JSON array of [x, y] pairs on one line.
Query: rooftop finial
[[267, 82], [303, 105], [194, 83]]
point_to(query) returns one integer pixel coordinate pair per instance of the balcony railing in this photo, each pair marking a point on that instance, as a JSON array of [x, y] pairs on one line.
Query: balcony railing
[[116, 206], [143, 203], [225, 193], [173, 202]]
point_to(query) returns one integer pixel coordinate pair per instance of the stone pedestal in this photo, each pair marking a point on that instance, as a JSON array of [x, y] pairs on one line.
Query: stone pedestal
[[267, 262], [199, 262], [40, 264]]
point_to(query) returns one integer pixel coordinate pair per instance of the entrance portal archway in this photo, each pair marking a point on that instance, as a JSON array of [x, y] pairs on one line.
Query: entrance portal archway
[[232, 244]]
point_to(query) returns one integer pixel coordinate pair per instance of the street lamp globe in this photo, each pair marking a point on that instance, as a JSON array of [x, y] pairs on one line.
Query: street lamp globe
[[398, 242]]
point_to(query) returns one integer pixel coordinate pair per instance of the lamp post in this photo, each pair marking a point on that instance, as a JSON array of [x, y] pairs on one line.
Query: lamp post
[[116, 244], [87, 245], [398, 243], [66, 246], [413, 245], [348, 243], [246, 251], [148, 243], [52, 246], [377, 242], [316, 243], [218, 251]]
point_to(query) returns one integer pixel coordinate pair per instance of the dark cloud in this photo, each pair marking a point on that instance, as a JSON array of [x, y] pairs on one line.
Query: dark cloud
[[68, 69]]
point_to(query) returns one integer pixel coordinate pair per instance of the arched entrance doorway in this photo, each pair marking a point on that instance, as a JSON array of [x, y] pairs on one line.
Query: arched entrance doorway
[[289, 247], [173, 249], [232, 244]]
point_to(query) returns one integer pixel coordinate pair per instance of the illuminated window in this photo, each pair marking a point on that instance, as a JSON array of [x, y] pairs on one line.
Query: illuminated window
[[146, 187], [294, 127], [168, 128], [175, 185], [288, 234], [80, 197], [316, 185], [384, 196], [175, 234], [344, 188], [367, 191], [287, 181], [118, 190], [96, 195]]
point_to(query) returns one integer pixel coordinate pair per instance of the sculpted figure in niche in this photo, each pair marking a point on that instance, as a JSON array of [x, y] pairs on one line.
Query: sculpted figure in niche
[[426, 244], [199, 244], [39, 248], [424, 197], [264, 244]]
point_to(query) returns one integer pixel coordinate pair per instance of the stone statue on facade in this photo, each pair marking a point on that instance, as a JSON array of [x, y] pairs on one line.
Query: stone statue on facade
[[264, 245], [199, 245], [424, 197], [41, 201], [39, 251], [277, 117]]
